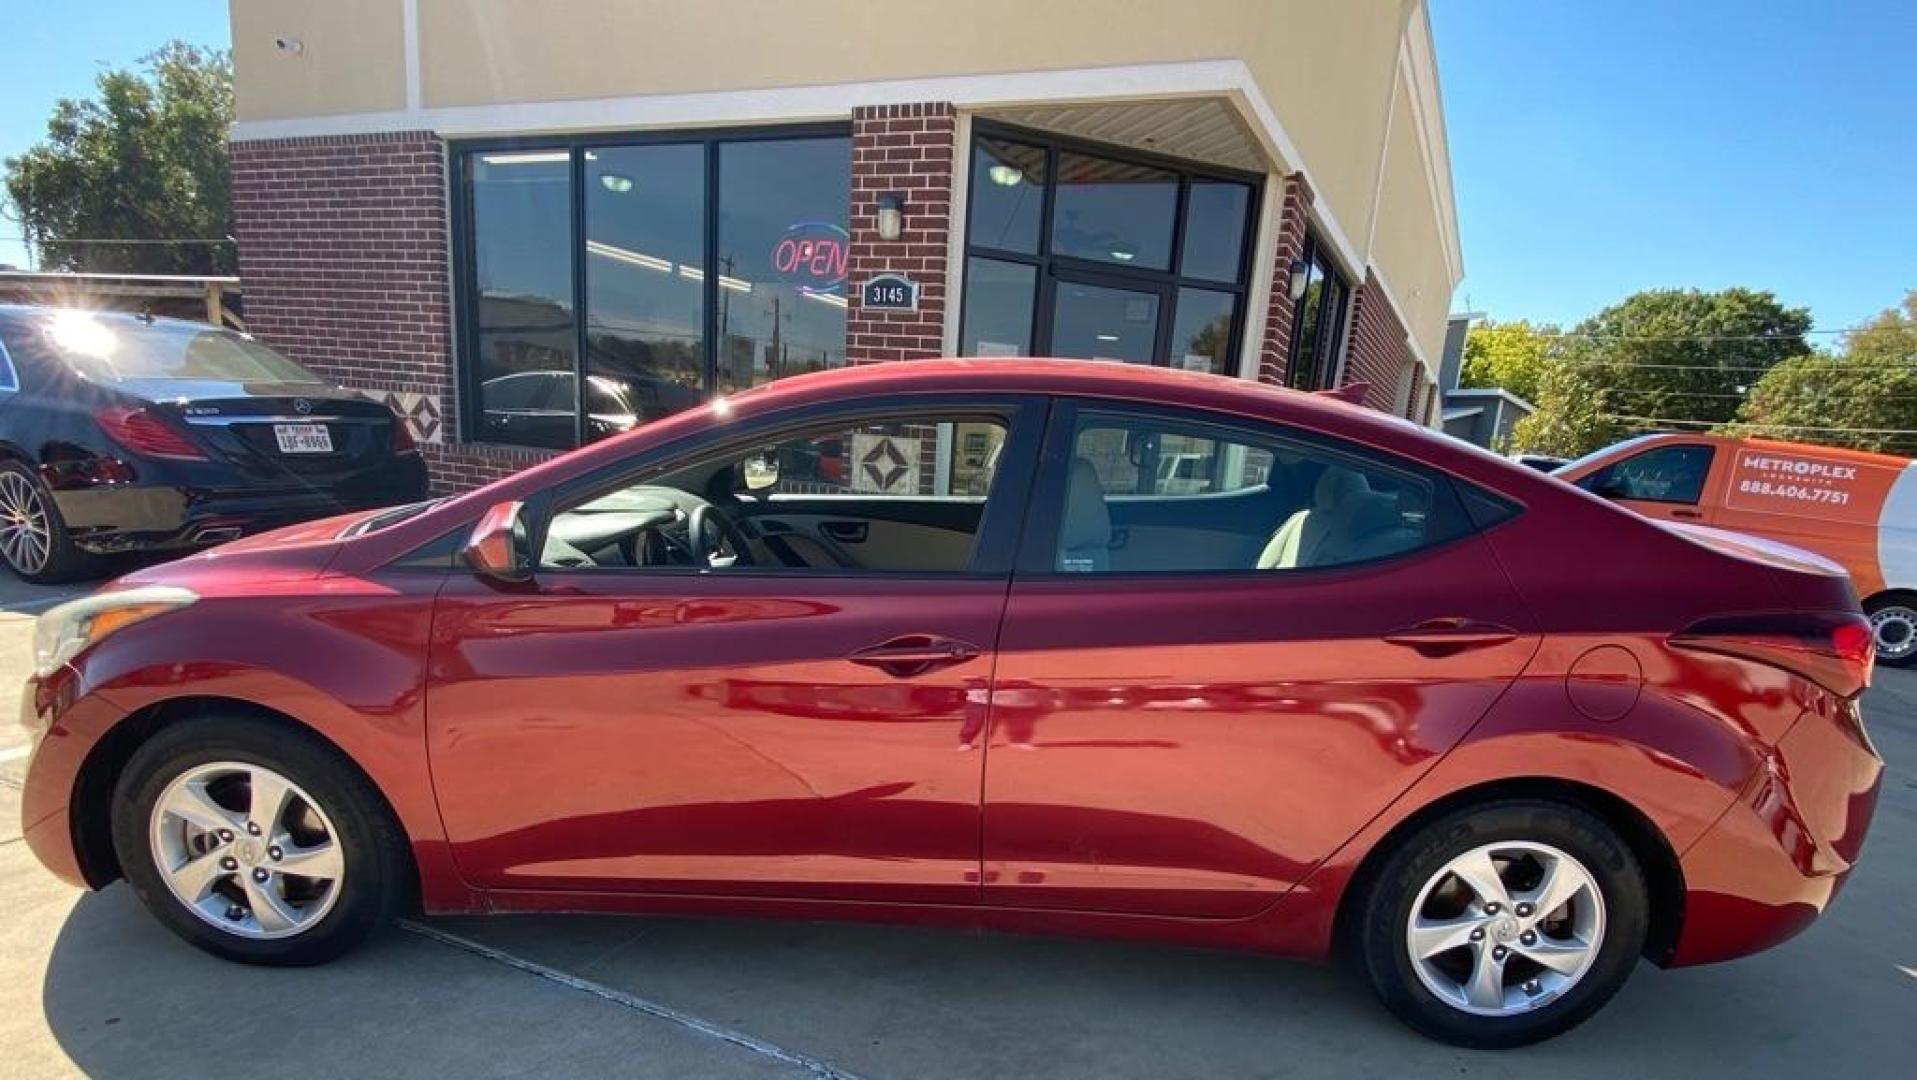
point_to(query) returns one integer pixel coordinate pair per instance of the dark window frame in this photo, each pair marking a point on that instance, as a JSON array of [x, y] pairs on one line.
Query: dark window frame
[[1051, 269], [464, 269], [1319, 370]]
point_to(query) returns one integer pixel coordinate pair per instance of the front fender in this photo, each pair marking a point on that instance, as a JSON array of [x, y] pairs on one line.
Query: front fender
[[347, 664]]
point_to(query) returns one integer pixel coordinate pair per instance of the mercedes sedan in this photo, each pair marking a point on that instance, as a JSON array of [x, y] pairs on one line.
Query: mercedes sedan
[[947, 641]]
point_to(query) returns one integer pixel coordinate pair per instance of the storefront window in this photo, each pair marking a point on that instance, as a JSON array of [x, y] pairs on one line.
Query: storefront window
[[1320, 321], [645, 301], [524, 341], [666, 320], [782, 258], [1081, 251]]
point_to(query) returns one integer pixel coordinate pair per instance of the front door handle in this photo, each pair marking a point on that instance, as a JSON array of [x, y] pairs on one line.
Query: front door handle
[[1444, 637], [1687, 515], [915, 654]]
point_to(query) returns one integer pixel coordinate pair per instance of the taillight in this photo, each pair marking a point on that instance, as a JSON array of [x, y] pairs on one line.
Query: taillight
[[1834, 650], [146, 434], [402, 437]]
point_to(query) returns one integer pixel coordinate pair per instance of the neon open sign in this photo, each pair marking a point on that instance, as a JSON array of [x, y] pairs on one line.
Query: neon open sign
[[812, 255]]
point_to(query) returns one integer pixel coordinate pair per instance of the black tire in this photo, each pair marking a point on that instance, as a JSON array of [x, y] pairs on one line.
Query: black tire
[[64, 561], [377, 880], [1901, 609], [1388, 895]]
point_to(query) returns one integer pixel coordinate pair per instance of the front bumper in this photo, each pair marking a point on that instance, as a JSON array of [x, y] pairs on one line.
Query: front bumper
[[67, 728], [1777, 858]]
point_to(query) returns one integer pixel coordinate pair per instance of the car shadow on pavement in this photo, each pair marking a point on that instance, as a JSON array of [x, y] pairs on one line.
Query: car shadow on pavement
[[125, 998]]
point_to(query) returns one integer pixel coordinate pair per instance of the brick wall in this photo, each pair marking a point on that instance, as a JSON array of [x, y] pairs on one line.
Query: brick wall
[[1274, 356], [343, 259], [1376, 351], [907, 149]]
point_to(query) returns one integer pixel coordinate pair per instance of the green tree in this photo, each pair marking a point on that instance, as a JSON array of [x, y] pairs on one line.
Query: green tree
[[1863, 397], [1507, 356], [145, 159], [1666, 359]]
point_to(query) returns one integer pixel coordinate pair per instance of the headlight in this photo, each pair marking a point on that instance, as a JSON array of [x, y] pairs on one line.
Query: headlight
[[63, 632]]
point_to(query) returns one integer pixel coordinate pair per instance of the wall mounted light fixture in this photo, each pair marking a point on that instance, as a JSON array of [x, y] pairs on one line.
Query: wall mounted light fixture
[[1300, 280], [891, 215]]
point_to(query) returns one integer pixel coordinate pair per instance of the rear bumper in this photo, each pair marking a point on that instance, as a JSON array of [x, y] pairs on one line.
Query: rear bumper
[[104, 518], [1777, 858]]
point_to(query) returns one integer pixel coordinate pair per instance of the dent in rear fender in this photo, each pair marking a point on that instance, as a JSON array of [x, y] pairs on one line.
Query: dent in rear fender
[[1677, 765], [348, 664]]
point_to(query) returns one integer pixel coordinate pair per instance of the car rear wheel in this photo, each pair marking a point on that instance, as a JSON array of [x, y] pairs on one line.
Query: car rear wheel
[[1893, 626], [1503, 924], [33, 539], [256, 842]]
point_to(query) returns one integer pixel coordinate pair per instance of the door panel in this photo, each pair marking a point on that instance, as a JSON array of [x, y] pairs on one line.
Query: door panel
[[707, 734], [871, 531], [1189, 746]]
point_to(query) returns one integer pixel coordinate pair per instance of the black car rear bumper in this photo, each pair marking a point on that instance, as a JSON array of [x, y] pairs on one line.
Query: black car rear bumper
[[104, 518]]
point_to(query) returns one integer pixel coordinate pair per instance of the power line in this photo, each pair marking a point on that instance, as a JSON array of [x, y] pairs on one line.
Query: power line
[[101, 240], [1666, 421]]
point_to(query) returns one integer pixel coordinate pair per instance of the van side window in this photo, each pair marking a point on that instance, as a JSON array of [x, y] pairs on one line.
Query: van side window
[[1666, 474]]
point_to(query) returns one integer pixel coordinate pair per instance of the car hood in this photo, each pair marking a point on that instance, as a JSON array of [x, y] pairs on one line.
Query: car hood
[[296, 552]]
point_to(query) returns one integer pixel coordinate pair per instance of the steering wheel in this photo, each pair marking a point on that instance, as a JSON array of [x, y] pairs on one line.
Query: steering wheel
[[728, 548]]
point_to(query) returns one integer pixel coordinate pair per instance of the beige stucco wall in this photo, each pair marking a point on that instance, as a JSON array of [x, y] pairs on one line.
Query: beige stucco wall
[[352, 57], [1326, 69], [1406, 241]]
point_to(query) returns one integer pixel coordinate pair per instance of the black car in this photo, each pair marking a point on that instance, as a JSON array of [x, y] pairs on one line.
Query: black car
[[130, 433]]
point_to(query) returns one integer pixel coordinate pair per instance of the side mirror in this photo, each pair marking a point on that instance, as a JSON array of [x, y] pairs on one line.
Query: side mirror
[[760, 470], [497, 547]]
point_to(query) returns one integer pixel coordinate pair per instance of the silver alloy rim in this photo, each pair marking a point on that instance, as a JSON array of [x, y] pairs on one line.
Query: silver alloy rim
[[1894, 632], [247, 850], [25, 538], [1506, 928]]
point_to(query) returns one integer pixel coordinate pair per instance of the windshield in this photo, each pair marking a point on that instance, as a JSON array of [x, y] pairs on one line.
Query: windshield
[[128, 349], [1599, 452]]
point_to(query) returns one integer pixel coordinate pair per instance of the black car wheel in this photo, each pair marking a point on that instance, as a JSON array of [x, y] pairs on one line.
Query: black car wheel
[[33, 539]]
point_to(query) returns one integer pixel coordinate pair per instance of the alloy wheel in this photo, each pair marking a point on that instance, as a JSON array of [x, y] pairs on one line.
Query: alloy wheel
[[246, 850], [1506, 928], [26, 538], [1894, 631]]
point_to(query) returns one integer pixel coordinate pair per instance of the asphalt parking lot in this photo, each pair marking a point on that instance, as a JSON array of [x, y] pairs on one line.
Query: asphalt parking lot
[[90, 985]]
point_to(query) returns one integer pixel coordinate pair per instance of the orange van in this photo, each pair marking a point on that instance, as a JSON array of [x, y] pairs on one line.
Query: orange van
[[1853, 507]]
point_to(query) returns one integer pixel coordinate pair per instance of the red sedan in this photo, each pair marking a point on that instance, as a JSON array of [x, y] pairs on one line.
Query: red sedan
[[1057, 646]]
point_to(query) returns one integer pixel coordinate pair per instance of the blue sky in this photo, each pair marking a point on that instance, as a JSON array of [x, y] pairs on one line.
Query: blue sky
[[57, 49], [1604, 147], [1598, 148]]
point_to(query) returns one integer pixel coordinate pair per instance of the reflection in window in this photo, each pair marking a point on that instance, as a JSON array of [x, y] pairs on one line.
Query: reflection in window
[[1320, 321], [645, 291], [1114, 211], [1201, 333], [1008, 195], [1215, 213], [1094, 322], [782, 258], [998, 308], [1277, 506], [525, 344]]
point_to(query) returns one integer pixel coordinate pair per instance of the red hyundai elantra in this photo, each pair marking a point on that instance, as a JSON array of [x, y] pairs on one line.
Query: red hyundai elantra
[[1042, 646]]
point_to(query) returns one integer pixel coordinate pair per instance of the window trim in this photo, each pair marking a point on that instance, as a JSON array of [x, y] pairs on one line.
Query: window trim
[[463, 278], [1319, 258], [1168, 282], [1000, 526], [1038, 549]]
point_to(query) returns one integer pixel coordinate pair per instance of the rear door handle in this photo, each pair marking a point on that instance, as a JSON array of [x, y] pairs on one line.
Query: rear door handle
[[915, 654], [1443, 637]]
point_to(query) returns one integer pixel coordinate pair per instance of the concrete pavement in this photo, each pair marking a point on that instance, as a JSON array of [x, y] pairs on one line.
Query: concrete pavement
[[89, 984]]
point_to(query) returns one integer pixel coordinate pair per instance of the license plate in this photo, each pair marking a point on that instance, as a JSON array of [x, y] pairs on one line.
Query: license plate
[[303, 438]]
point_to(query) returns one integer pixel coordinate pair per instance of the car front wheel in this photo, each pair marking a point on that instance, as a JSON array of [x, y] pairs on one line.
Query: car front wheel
[[256, 842], [1503, 924]]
